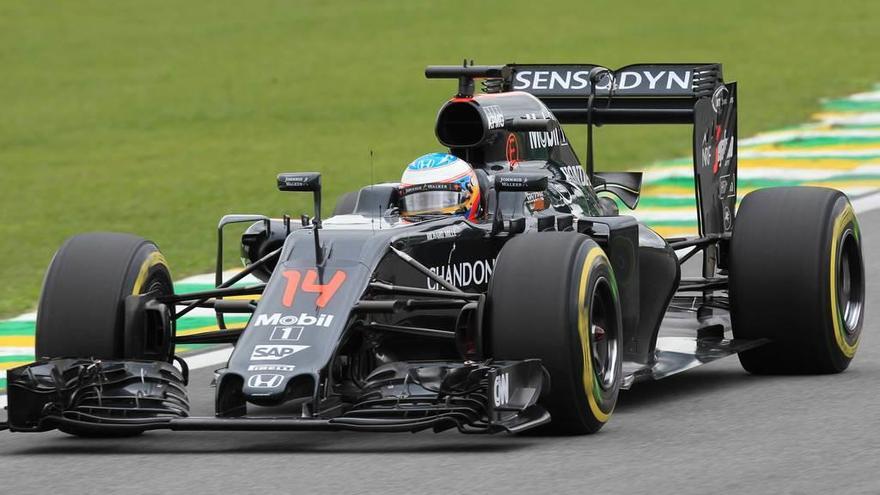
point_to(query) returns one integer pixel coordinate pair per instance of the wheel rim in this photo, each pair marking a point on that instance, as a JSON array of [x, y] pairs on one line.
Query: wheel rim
[[156, 284], [850, 284], [158, 343], [604, 335]]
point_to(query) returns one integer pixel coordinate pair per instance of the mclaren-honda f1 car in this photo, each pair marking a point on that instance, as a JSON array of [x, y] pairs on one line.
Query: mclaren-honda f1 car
[[534, 313]]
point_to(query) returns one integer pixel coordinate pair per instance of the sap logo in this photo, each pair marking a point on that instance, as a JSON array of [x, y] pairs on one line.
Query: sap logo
[[275, 352], [303, 319], [271, 367], [325, 291], [464, 274], [494, 116], [286, 333], [502, 389], [265, 381]]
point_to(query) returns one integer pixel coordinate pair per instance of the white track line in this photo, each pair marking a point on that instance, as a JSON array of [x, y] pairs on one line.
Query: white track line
[[208, 278], [834, 118], [208, 359], [771, 173], [819, 153], [867, 203], [867, 96], [806, 133]]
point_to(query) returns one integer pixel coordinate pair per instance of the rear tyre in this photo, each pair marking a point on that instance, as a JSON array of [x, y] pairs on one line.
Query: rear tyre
[[553, 296], [346, 203], [797, 278]]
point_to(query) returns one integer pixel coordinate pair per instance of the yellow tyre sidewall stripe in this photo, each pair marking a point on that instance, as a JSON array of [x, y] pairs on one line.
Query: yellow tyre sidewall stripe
[[845, 217], [590, 385], [153, 259]]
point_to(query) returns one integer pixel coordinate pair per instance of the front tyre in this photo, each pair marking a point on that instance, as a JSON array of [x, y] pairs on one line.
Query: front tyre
[[797, 278], [81, 309], [553, 296]]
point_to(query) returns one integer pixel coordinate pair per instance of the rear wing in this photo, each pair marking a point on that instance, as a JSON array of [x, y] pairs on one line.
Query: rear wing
[[636, 94]]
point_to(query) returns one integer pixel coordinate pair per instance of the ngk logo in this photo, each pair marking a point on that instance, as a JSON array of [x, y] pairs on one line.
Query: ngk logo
[[310, 284]]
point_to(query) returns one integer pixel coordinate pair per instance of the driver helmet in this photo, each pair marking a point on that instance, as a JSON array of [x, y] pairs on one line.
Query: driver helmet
[[439, 184]]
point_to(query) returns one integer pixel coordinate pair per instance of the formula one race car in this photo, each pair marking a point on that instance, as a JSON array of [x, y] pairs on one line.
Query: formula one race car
[[503, 297]]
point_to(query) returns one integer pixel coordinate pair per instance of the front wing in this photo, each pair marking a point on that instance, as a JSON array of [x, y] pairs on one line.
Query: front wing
[[102, 397]]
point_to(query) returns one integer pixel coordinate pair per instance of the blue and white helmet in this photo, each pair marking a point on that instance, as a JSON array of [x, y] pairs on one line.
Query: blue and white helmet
[[439, 184]]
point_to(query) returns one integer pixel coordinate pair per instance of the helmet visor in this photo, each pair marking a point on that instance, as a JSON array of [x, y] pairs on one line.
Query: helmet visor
[[433, 199]]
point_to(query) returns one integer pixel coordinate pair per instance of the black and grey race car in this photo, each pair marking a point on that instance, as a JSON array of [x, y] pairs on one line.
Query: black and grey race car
[[536, 314]]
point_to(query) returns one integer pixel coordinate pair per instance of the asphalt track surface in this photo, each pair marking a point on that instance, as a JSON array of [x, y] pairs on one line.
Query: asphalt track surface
[[714, 429]]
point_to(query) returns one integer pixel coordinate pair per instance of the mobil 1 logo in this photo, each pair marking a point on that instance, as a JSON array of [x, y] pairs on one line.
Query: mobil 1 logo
[[289, 334]]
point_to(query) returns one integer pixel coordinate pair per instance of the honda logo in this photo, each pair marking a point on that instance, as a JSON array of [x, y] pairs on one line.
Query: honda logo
[[265, 381]]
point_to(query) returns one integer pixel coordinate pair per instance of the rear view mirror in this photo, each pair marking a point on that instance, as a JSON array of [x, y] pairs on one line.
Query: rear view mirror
[[299, 181], [514, 182], [306, 182], [625, 185], [526, 182]]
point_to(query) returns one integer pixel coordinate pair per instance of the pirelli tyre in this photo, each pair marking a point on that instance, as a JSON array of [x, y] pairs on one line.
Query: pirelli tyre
[[553, 296], [797, 278], [81, 308]]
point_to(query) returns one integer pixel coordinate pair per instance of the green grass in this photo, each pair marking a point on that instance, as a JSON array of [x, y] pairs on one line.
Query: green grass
[[159, 117]]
